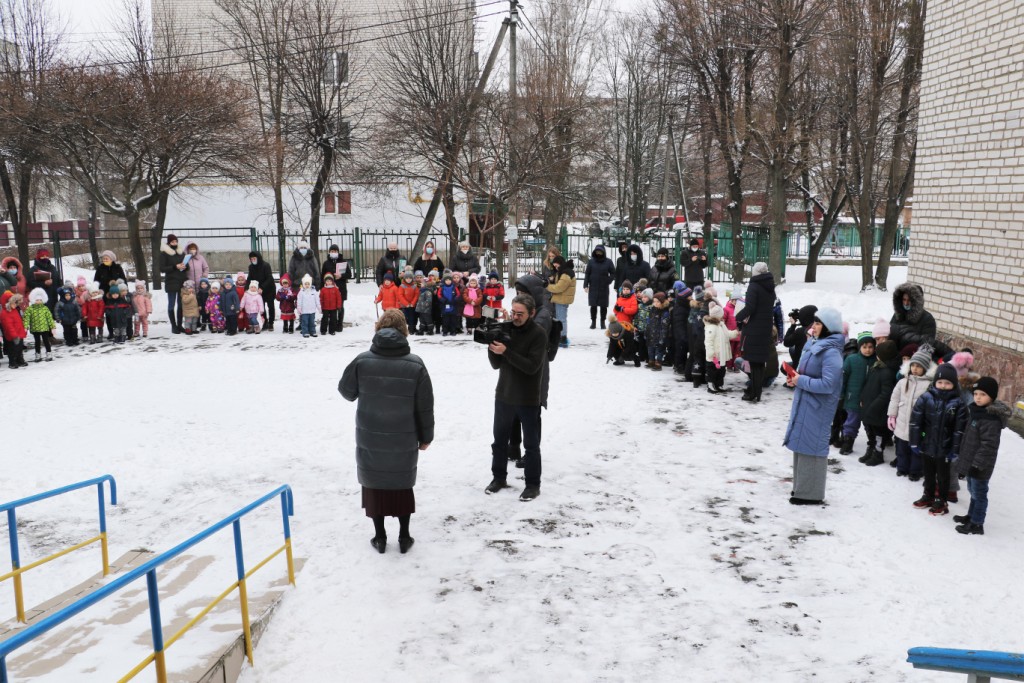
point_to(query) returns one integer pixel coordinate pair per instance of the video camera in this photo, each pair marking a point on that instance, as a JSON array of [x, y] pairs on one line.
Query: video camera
[[491, 329]]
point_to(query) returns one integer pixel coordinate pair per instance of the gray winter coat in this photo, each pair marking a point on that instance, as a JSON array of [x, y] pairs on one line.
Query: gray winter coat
[[395, 413]]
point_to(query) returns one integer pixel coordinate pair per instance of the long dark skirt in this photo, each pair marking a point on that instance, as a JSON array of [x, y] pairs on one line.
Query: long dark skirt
[[388, 502]]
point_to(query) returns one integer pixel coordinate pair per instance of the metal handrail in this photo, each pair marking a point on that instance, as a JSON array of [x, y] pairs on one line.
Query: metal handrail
[[149, 571], [981, 664], [12, 531]]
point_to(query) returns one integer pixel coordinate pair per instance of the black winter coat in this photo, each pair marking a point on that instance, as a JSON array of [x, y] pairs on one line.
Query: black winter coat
[[521, 367], [662, 277], [261, 273], [980, 443], [174, 279], [937, 423], [874, 397], [299, 265], [535, 287], [425, 265], [395, 413], [39, 272], [331, 266], [757, 319], [69, 312], [628, 269], [469, 263], [693, 271], [598, 276], [679, 321], [112, 273], [796, 337], [916, 326], [390, 262]]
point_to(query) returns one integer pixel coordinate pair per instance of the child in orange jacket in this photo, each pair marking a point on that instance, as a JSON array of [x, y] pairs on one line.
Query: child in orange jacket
[[626, 305], [408, 295], [387, 297]]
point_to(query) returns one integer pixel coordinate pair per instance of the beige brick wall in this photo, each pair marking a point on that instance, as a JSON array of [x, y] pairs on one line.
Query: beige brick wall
[[968, 233]]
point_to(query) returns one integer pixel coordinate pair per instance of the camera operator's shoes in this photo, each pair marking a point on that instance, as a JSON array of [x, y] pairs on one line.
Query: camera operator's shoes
[[496, 485], [529, 493]]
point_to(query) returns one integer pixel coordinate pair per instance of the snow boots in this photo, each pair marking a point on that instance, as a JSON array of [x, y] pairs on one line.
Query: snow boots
[[49, 356], [970, 528], [496, 485], [846, 445], [873, 456], [38, 357], [924, 501], [939, 508]]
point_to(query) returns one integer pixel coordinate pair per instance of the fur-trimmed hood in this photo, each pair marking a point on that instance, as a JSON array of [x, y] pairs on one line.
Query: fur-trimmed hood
[[1000, 411], [171, 251], [928, 375], [916, 303], [636, 249]]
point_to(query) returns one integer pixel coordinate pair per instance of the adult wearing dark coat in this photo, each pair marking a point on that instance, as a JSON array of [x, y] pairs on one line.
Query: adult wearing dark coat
[[756, 320], [43, 274], [911, 323], [333, 265], [598, 276], [429, 260], [536, 287], [663, 274], [679, 328], [261, 272], [465, 261], [394, 422], [796, 335], [303, 262], [172, 265], [634, 268], [390, 262], [622, 247], [108, 271], [695, 260]]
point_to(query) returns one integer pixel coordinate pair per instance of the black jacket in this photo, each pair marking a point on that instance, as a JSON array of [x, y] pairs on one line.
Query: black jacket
[[916, 326], [390, 263], [395, 412], [39, 272], [878, 386], [693, 271], [980, 443], [299, 265], [937, 423], [662, 277], [757, 319], [174, 279], [331, 266], [599, 274], [112, 273], [796, 335], [465, 264], [261, 273], [426, 265], [628, 269], [521, 367]]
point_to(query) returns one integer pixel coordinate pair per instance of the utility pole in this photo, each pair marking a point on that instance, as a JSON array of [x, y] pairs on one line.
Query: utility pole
[[513, 270], [664, 185], [679, 166]]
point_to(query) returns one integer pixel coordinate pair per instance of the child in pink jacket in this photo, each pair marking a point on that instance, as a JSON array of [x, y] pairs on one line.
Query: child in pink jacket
[[729, 319], [143, 303], [252, 306]]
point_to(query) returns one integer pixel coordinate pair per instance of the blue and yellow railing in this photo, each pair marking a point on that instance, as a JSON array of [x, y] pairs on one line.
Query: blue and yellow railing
[[12, 531], [149, 570]]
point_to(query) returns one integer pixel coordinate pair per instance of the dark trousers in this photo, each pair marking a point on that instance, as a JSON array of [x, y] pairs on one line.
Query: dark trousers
[[907, 462], [623, 349], [716, 376], [42, 338], [231, 323], [604, 315], [978, 488], [680, 349], [269, 310], [410, 318], [15, 350], [451, 322], [71, 335], [505, 416], [329, 322], [174, 309], [936, 477], [641, 347], [756, 379], [876, 433]]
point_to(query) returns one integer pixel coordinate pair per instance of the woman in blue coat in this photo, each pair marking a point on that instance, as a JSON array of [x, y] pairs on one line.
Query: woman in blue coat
[[596, 279], [818, 383]]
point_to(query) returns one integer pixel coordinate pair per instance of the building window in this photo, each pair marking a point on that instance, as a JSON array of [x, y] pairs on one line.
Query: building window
[[344, 201], [344, 142], [329, 202], [794, 205], [754, 209], [336, 69]]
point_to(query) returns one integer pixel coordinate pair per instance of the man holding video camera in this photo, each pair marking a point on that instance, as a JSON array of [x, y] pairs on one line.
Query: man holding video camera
[[520, 365]]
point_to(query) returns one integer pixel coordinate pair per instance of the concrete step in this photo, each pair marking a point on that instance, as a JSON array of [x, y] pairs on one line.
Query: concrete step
[[107, 640]]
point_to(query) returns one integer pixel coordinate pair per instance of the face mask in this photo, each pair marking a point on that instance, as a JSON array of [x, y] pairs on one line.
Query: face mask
[[632, 257], [907, 307], [334, 255], [253, 261], [193, 252], [303, 251], [694, 248], [430, 250], [464, 251], [12, 271]]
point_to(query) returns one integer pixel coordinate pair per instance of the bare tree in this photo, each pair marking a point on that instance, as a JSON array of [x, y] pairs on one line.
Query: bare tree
[[33, 47]]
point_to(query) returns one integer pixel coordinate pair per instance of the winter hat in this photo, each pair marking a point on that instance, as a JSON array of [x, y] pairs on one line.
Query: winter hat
[[662, 252], [188, 284], [641, 284], [493, 275], [710, 293], [880, 329], [334, 248], [447, 272], [433, 273], [448, 275], [558, 260], [285, 277], [309, 278], [683, 292], [678, 286], [661, 296], [922, 357], [140, 286], [80, 281], [830, 318], [303, 244], [473, 277], [252, 254], [37, 296], [407, 276], [908, 351], [865, 338], [206, 280], [962, 361], [229, 281], [418, 273], [694, 242], [886, 351], [328, 276], [615, 329], [708, 284], [68, 284], [110, 255], [698, 293], [387, 277], [947, 372], [254, 286], [241, 276], [989, 385], [736, 294], [123, 287], [42, 253], [626, 284], [716, 312], [759, 268], [93, 287], [215, 285], [649, 293], [172, 238]]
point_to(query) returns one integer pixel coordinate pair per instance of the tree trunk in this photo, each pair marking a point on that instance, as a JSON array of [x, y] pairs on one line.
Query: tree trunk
[[735, 220], [552, 216], [24, 213], [135, 242], [156, 237], [316, 198], [13, 208], [451, 220], [91, 228], [778, 225]]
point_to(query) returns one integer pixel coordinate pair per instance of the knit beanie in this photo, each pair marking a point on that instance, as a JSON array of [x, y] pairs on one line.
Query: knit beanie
[[947, 372], [37, 296], [309, 278], [80, 281], [908, 351], [865, 338], [649, 293], [963, 361], [886, 351], [615, 329], [172, 238], [759, 268], [110, 255], [989, 385], [716, 312], [923, 357], [626, 284], [660, 296], [880, 329]]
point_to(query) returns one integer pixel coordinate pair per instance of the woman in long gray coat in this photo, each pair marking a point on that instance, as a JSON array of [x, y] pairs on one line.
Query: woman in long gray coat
[[394, 422], [818, 384]]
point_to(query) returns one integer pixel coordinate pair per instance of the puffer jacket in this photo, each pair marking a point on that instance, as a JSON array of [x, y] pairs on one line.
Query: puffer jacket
[[408, 295], [628, 269], [663, 276], [796, 336], [563, 290], [658, 324], [20, 286], [643, 315], [94, 310], [980, 443], [716, 340], [757, 318], [118, 311], [937, 423], [106, 274], [11, 322], [69, 312], [189, 303], [387, 296], [286, 302], [877, 392], [535, 287], [816, 396], [39, 319], [855, 373], [626, 308], [395, 413], [474, 300], [307, 301], [299, 265], [425, 304], [330, 299], [144, 305], [252, 304], [39, 272], [599, 274], [465, 263], [493, 295], [170, 258], [197, 268], [229, 303]]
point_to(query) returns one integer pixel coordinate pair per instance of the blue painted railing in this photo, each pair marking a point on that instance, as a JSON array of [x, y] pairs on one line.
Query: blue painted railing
[[12, 532], [978, 665], [149, 571]]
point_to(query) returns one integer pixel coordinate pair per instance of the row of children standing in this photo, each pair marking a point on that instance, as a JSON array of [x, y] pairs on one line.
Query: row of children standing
[[439, 303]]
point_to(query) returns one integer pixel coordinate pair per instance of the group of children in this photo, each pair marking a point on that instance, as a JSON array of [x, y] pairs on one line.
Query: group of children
[[439, 303], [942, 419]]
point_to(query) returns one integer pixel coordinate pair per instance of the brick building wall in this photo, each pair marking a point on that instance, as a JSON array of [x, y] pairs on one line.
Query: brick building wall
[[968, 241]]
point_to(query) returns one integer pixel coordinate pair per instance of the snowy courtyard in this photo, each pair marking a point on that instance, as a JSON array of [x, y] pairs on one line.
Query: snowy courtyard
[[663, 546]]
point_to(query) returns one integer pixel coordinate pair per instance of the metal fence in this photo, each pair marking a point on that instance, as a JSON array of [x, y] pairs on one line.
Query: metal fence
[[844, 243]]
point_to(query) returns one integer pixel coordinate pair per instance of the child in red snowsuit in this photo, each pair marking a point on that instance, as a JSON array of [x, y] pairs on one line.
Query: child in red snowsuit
[[330, 304]]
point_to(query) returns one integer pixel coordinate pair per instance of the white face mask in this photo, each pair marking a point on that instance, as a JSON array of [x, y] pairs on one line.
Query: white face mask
[[430, 250], [303, 251], [464, 251], [632, 257]]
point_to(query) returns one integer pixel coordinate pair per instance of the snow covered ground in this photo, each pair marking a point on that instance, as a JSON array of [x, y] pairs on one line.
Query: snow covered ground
[[662, 547]]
